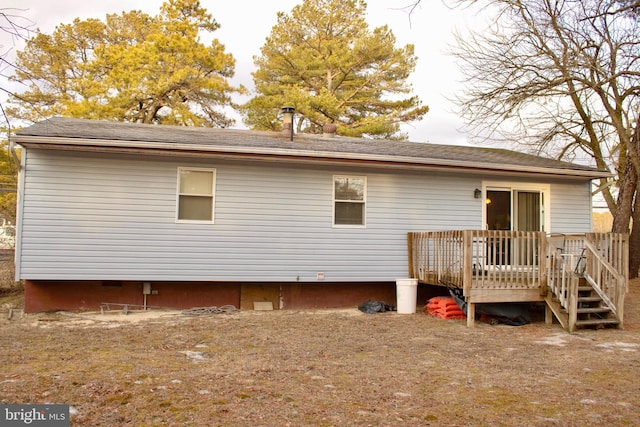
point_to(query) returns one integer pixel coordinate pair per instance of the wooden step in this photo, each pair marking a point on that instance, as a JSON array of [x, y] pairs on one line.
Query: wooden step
[[594, 310], [597, 322], [589, 299], [588, 310]]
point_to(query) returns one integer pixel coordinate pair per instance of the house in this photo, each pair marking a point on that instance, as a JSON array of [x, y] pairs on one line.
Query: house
[[183, 217]]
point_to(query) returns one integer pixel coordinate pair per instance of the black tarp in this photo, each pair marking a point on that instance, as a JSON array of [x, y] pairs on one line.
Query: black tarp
[[509, 313], [371, 307]]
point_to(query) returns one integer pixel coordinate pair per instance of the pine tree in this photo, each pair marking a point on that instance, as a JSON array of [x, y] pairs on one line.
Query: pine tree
[[325, 61], [132, 67]]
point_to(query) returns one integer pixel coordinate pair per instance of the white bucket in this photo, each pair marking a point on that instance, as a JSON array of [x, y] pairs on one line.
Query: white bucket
[[406, 294]]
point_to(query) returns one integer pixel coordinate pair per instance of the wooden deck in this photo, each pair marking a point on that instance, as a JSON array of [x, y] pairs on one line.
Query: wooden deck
[[494, 266]]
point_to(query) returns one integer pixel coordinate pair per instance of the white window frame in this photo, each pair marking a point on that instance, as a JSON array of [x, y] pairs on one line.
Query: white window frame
[[178, 194], [545, 192], [363, 201]]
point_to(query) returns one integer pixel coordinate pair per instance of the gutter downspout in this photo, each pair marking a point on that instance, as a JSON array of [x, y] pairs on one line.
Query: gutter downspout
[[20, 196], [20, 164], [12, 149], [19, 210]]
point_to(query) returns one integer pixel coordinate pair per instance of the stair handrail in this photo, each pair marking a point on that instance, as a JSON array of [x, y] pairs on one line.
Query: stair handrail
[[560, 274], [563, 284], [595, 284], [594, 250]]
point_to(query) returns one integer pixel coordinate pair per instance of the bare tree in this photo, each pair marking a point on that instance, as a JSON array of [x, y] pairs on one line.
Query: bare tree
[[16, 27], [562, 78]]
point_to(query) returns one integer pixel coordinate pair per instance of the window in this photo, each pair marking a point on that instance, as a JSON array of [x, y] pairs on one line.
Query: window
[[349, 200], [195, 194]]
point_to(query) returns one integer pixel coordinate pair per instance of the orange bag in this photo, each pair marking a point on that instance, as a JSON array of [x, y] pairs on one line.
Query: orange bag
[[444, 307]]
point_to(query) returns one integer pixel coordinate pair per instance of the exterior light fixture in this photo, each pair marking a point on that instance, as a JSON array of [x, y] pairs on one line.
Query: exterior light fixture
[[477, 193], [287, 121]]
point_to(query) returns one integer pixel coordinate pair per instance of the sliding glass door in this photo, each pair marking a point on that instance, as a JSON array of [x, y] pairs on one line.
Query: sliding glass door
[[513, 208], [518, 210]]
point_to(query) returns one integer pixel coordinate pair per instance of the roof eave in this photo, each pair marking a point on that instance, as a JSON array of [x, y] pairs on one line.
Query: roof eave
[[123, 146]]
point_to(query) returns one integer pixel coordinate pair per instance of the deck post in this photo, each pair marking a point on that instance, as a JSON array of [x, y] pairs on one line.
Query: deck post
[[471, 315], [572, 305], [543, 261], [411, 253], [548, 315], [621, 289], [467, 275], [467, 258]]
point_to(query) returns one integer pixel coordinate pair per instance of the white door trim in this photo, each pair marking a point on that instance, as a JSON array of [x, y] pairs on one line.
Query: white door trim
[[544, 189]]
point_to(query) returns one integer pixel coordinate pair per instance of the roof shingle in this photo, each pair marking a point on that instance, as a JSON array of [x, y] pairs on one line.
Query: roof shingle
[[245, 141]]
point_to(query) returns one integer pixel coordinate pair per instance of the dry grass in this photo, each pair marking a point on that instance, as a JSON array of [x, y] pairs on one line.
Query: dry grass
[[321, 368]]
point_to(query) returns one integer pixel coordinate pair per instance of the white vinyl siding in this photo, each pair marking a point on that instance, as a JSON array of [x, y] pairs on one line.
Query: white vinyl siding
[[571, 211], [113, 217], [196, 188]]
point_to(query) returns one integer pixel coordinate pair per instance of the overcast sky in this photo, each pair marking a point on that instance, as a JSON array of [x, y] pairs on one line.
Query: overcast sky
[[246, 23]]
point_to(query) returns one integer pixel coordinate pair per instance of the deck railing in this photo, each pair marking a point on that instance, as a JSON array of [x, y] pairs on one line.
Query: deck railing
[[437, 257], [503, 266], [600, 259], [479, 259], [613, 247], [563, 280]]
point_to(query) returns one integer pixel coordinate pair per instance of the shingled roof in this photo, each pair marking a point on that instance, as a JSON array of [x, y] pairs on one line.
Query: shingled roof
[[82, 134]]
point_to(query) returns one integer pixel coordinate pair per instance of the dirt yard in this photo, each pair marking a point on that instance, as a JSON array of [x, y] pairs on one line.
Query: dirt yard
[[320, 368]]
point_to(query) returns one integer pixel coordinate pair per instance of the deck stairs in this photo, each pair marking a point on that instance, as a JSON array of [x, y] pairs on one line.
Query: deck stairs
[[592, 311], [580, 304], [583, 278]]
